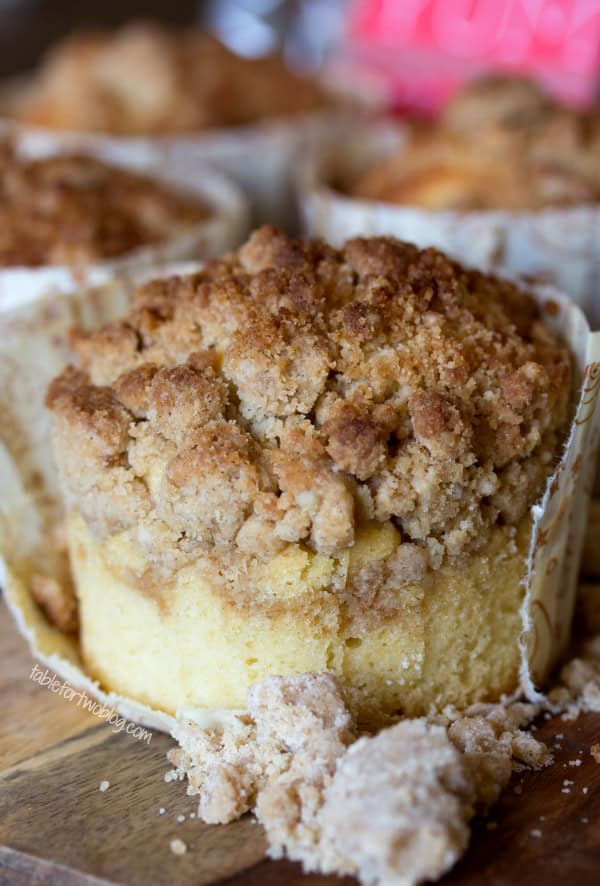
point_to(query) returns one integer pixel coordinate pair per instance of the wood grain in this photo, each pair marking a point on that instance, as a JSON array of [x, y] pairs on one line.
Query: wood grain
[[57, 810], [58, 829], [38, 719]]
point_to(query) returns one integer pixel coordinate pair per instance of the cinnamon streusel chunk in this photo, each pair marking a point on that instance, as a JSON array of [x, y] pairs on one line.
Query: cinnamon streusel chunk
[[329, 455]]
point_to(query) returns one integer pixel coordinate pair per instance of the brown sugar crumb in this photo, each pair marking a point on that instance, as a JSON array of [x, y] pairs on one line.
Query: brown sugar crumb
[[220, 767], [178, 847], [58, 602], [145, 79], [579, 688], [397, 804], [75, 209], [531, 153], [294, 732], [397, 808], [291, 392], [495, 743]]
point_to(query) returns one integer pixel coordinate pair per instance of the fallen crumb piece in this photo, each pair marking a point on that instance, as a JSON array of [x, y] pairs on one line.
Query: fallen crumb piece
[[310, 718], [390, 808], [494, 744], [396, 805], [581, 682], [397, 809], [104, 785], [178, 847], [162, 810], [221, 766], [296, 729], [180, 818]]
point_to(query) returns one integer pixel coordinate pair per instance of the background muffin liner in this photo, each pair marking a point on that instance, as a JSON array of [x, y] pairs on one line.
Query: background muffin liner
[[262, 158], [33, 348], [556, 246]]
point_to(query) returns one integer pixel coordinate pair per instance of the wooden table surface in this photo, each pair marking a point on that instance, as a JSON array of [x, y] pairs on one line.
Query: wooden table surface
[[57, 827]]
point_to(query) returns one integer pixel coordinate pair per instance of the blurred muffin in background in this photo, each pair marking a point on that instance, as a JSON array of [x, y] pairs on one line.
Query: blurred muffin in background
[[146, 79], [501, 143], [76, 209]]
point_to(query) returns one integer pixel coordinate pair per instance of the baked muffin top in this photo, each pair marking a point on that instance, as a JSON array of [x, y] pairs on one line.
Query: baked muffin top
[[72, 210], [500, 144], [291, 392], [145, 79]]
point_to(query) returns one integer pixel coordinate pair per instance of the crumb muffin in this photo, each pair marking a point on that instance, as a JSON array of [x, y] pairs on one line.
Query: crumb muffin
[[500, 144], [75, 210], [303, 459], [148, 80]]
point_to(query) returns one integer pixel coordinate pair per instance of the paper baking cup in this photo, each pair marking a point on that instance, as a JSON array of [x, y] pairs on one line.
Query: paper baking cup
[[556, 246], [33, 349], [262, 158], [35, 320]]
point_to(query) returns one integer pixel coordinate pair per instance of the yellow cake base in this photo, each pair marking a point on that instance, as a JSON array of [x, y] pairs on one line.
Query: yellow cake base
[[454, 639]]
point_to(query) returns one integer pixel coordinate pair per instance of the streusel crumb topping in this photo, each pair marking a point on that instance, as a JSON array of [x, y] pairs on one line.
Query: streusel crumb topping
[[73, 209], [292, 392]]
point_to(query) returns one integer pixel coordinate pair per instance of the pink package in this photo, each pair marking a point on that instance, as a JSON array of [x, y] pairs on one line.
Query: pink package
[[419, 51]]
